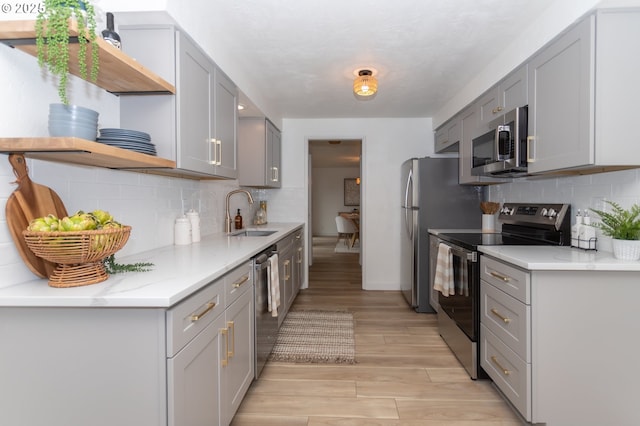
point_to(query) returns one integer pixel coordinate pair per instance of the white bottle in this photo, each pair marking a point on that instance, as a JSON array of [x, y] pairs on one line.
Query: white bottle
[[182, 231], [587, 233], [194, 219], [576, 229]]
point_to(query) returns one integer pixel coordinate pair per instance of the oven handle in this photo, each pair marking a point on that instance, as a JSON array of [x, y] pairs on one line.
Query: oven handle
[[463, 253]]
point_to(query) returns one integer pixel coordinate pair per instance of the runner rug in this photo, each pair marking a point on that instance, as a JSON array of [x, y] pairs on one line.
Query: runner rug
[[315, 337]]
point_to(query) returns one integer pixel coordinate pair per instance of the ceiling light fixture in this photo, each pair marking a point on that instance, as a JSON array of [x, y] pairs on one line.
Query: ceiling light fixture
[[365, 84]]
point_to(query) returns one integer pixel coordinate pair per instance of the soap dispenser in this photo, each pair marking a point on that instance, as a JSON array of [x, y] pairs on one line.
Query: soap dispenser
[[238, 220]]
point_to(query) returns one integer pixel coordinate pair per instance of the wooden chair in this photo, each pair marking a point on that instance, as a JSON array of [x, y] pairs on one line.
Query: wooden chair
[[347, 230]]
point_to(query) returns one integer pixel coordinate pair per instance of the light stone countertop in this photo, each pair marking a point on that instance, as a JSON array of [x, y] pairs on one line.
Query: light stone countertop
[[556, 258], [178, 271]]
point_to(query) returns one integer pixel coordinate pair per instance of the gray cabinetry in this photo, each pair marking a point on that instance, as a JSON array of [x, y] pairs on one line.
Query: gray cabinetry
[[298, 270], [549, 351], [196, 127], [448, 135], [583, 95], [190, 364], [259, 153], [508, 94]]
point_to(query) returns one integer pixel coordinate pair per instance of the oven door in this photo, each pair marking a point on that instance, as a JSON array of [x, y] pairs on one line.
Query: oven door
[[462, 307]]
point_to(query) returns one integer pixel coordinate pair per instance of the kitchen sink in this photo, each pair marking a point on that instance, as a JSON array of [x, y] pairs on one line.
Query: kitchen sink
[[253, 233]]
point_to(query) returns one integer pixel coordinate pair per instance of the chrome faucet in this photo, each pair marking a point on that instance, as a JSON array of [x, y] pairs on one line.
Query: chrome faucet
[[227, 220]]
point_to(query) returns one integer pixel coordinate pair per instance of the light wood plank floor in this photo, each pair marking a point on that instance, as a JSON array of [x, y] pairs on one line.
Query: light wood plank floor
[[405, 374]]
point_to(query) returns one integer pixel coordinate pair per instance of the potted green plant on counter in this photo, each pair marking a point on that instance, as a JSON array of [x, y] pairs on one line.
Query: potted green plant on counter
[[53, 40], [623, 226]]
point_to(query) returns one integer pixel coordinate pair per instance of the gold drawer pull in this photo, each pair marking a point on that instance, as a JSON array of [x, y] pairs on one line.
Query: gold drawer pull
[[232, 332], [241, 281], [199, 316], [504, 370], [504, 319], [500, 277], [225, 333]]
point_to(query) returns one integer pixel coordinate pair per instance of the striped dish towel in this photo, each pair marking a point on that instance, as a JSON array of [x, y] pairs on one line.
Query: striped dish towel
[[443, 281]]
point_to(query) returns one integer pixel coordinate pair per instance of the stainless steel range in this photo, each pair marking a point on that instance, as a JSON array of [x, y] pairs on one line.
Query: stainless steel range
[[459, 313]]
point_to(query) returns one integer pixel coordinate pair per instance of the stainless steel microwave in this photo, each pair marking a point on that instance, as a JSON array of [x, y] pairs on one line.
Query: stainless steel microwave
[[502, 151]]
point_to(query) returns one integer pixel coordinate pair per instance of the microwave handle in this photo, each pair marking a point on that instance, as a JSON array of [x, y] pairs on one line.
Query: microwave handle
[[531, 149]]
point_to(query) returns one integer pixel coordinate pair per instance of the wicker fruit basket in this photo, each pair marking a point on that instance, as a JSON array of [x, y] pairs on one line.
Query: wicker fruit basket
[[79, 255]]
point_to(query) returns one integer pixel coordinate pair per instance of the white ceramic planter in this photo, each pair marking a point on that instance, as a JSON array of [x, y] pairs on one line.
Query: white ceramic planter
[[626, 249]]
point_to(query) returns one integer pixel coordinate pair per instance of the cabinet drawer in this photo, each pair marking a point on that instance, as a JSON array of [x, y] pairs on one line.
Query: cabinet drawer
[[237, 282], [507, 318], [192, 315], [513, 281], [508, 371]]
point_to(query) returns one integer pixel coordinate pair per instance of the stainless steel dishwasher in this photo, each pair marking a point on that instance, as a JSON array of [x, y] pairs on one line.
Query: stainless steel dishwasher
[[266, 326]]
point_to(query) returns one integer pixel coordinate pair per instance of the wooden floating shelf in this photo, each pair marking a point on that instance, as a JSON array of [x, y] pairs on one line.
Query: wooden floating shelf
[[119, 73], [83, 152]]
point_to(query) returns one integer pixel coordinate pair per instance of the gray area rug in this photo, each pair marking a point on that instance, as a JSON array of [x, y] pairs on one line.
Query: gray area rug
[[315, 337]]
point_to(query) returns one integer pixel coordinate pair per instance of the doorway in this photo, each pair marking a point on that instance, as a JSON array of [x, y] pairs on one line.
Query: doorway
[[335, 187]]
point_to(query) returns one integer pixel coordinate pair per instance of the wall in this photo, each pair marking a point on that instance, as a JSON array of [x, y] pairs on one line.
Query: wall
[[146, 202], [386, 143], [328, 197]]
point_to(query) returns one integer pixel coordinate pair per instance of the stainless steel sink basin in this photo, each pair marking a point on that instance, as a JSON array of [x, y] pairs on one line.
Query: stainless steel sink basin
[[253, 233]]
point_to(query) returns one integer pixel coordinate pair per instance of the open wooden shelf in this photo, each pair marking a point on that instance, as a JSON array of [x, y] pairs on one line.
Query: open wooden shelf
[[119, 73], [84, 152]]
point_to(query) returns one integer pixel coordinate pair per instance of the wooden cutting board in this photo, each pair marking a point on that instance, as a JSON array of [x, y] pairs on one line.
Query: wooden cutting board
[[29, 201]]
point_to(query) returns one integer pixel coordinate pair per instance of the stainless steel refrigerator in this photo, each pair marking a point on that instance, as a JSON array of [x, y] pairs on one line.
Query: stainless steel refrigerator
[[431, 198]]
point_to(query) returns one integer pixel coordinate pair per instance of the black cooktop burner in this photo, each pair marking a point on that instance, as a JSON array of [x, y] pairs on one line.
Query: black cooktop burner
[[471, 240]]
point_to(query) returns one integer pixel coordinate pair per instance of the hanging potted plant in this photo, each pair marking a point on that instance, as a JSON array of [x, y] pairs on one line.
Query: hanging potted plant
[[623, 226], [52, 40]]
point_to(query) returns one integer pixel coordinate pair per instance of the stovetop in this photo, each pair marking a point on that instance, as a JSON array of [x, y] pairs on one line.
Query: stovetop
[[471, 240], [523, 224]]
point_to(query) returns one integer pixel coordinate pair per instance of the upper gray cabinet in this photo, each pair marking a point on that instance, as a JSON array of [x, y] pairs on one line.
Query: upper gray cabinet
[[448, 136], [259, 153], [583, 93], [196, 127], [510, 93]]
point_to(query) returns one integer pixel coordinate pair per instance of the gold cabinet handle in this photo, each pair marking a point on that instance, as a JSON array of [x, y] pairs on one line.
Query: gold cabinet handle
[[232, 334], [208, 309], [300, 255], [241, 281], [213, 161], [504, 319], [500, 277], [225, 361], [497, 109], [504, 370], [531, 152], [287, 270]]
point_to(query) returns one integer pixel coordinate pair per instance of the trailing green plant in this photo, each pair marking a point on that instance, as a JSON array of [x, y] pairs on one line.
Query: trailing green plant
[[619, 224], [52, 40], [112, 267]]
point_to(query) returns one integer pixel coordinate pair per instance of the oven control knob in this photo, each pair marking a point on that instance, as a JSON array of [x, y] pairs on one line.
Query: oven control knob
[[552, 213], [544, 212]]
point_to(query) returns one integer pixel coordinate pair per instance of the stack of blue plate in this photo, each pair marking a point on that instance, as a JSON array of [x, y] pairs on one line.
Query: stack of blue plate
[[133, 140]]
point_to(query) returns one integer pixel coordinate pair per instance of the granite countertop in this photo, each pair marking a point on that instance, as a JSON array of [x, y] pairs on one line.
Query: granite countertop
[[555, 258], [178, 271]]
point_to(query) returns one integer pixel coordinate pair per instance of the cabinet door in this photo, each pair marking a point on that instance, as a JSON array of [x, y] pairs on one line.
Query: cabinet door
[[193, 378], [225, 125], [238, 374], [298, 270], [448, 136], [560, 102], [513, 89], [196, 150], [490, 106]]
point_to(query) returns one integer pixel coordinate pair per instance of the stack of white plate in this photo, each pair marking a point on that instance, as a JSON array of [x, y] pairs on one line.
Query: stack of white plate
[[133, 140], [73, 120]]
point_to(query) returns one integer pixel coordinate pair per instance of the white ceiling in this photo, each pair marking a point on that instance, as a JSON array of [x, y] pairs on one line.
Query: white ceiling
[[303, 53]]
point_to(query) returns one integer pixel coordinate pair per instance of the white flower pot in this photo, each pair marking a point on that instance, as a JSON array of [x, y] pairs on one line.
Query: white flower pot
[[626, 249]]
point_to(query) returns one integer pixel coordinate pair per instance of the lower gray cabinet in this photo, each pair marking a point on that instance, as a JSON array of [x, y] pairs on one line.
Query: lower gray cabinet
[[188, 365]]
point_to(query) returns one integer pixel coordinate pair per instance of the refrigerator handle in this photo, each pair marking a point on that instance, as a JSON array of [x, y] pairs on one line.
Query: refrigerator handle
[[407, 188]]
